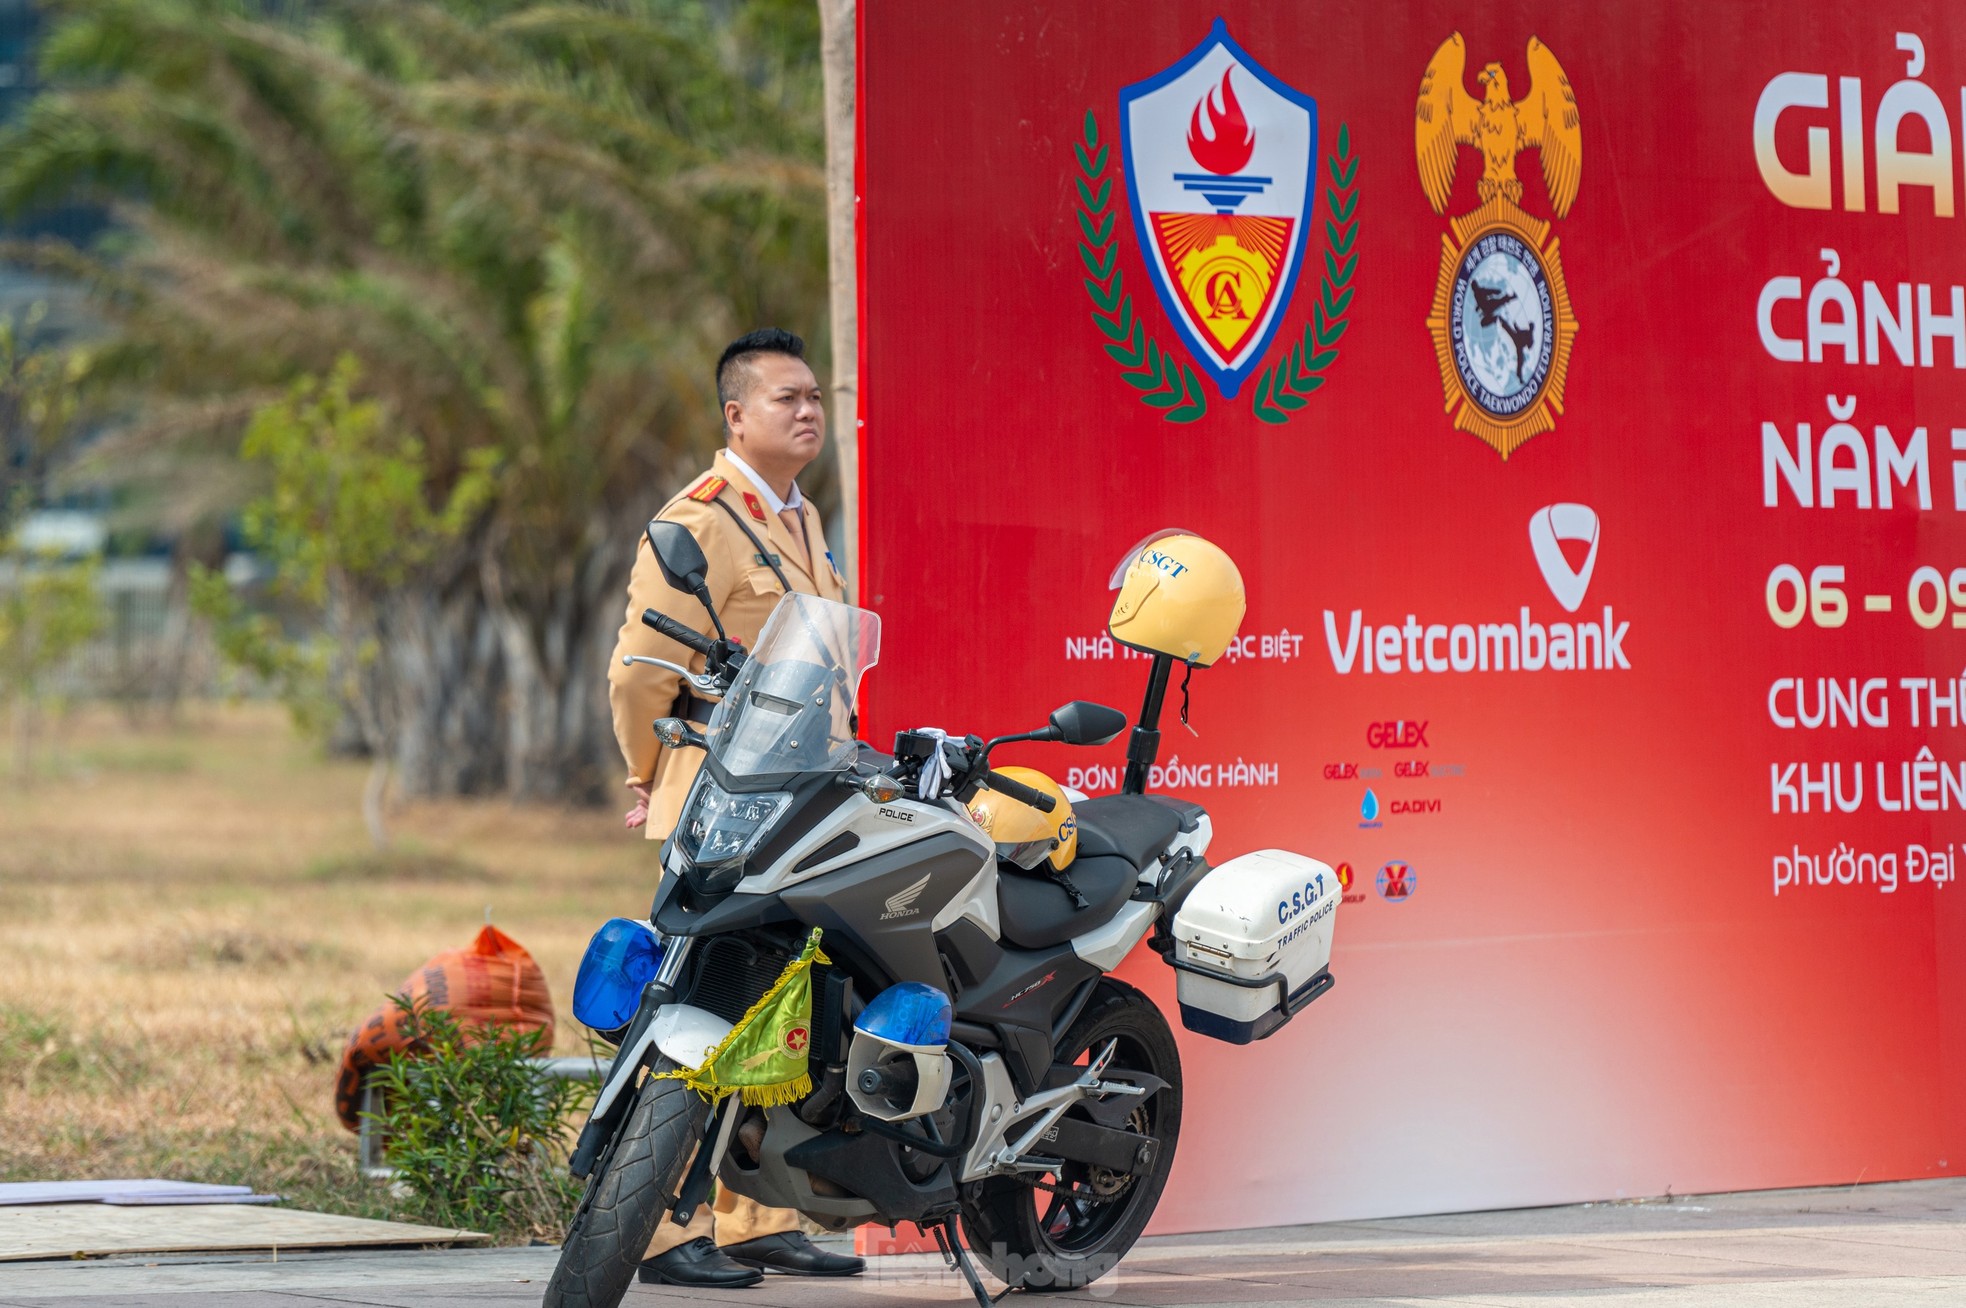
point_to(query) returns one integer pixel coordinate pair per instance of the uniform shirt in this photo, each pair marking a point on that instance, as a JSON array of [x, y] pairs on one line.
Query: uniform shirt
[[744, 589], [772, 502]]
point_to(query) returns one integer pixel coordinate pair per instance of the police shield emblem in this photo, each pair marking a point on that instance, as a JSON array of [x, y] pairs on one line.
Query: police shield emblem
[[1219, 157]]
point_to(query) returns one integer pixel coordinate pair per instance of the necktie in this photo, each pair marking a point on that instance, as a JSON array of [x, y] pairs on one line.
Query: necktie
[[793, 524]]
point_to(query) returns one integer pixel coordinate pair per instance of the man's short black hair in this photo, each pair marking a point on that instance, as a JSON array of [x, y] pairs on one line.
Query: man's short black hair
[[737, 356]]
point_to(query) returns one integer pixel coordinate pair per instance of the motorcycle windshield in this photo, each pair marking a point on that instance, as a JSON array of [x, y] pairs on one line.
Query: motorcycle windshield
[[792, 707]]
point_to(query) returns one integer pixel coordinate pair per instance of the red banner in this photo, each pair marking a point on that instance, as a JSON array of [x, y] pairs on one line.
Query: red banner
[[1579, 389]]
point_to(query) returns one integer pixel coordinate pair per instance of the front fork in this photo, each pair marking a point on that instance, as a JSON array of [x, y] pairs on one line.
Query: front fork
[[612, 1104]]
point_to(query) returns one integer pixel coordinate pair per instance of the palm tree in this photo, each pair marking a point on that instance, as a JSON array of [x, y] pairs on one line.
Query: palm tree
[[531, 225]]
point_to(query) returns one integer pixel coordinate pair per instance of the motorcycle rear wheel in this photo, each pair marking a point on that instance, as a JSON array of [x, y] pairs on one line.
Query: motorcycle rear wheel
[[627, 1197], [1045, 1241]]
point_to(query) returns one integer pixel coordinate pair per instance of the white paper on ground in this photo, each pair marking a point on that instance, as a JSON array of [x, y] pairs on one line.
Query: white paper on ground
[[86, 1192], [151, 1200]]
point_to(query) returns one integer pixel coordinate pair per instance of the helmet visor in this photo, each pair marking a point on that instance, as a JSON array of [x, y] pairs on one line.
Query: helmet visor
[[1026, 854], [1126, 560]]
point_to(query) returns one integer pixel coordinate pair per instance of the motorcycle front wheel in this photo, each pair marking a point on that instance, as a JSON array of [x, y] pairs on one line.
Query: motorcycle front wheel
[[1075, 1225], [627, 1195]]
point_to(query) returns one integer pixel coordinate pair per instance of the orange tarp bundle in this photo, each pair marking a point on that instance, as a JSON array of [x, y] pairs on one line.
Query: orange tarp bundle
[[492, 981]]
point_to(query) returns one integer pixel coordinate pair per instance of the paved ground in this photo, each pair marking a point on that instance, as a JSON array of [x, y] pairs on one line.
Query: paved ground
[[1878, 1246]]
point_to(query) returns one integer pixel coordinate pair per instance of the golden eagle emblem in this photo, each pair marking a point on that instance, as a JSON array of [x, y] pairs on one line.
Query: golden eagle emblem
[[1545, 120], [1502, 322]]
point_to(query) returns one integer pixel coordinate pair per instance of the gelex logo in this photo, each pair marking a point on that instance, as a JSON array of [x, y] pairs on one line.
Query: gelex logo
[[1517, 643], [1401, 734], [1397, 881]]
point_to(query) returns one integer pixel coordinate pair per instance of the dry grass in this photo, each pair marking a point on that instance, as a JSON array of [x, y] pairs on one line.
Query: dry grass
[[191, 922]]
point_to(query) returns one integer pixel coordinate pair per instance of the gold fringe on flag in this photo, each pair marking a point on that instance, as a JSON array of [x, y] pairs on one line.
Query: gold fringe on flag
[[765, 1056]]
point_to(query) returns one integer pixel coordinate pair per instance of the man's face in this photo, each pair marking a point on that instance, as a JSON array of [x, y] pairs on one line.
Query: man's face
[[779, 422]]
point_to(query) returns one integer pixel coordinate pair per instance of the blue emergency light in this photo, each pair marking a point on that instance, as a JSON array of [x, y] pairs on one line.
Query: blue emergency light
[[910, 1014], [620, 960]]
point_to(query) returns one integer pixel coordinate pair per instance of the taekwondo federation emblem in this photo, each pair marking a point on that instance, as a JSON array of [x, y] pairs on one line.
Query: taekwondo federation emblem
[[1501, 319], [1221, 167]]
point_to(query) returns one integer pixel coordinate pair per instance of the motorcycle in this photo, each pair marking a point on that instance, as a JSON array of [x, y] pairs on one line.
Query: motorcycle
[[972, 1060]]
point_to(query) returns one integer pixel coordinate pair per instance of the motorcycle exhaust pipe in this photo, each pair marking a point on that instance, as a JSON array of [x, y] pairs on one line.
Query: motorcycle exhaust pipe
[[821, 1109]]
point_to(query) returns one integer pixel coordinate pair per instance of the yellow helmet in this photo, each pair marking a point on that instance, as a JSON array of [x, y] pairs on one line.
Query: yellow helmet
[[1178, 595], [1024, 835]]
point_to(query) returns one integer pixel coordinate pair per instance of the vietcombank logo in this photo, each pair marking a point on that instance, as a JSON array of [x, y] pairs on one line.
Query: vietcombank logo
[[1222, 166], [1558, 534]]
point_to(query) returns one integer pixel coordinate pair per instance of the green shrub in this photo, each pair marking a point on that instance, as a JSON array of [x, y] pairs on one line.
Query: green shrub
[[49, 609], [477, 1133]]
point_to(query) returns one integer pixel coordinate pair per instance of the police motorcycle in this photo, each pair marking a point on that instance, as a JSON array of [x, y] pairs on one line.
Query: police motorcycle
[[971, 1059]]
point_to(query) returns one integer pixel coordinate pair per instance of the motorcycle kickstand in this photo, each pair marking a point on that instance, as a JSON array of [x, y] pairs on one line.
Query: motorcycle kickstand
[[956, 1255]]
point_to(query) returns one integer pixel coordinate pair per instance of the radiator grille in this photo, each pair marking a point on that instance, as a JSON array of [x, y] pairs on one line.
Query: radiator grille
[[734, 974]]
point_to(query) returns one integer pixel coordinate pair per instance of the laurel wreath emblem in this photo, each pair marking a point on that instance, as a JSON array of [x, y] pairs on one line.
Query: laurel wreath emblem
[[1283, 389], [1167, 384]]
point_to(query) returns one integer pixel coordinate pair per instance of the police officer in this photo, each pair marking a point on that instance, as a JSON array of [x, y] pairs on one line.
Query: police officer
[[761, 538]]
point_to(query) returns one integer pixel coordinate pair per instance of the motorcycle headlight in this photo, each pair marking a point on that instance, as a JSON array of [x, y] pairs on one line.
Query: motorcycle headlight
[[720, 830]]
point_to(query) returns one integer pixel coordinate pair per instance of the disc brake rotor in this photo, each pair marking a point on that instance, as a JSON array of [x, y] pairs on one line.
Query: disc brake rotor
[[1102, 1185]]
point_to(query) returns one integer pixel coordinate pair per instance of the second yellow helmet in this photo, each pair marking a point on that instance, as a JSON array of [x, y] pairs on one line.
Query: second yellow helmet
[[1023, 835]]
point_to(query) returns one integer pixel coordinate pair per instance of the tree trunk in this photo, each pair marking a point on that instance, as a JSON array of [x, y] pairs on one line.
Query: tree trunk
[[375, 793], [476, 691], [558, 745], [440, 690], [837, 44]]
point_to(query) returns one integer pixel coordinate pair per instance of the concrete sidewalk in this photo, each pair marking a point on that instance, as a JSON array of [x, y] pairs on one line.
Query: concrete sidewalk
[[1877, 1246]]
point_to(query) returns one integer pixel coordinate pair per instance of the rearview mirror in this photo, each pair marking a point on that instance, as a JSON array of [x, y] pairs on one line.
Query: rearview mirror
[[683, 565], [678, 555], [1084, 723]]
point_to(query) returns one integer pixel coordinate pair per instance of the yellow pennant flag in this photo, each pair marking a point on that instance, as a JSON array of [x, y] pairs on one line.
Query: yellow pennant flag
[[765, 1054]]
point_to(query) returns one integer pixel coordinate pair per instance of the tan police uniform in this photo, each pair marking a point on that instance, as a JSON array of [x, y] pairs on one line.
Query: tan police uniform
[[745, 588]]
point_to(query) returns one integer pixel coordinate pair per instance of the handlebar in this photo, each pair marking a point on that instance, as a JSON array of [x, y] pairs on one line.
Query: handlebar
[[677, 632], [964, 766], [1011, 788]]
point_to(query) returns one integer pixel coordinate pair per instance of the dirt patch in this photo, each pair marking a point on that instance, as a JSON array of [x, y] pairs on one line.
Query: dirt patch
[[235, 947], [398, 866], [42, 1055], [183, 950]]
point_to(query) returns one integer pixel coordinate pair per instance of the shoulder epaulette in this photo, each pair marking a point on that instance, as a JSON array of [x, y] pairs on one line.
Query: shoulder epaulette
[[708, 489]]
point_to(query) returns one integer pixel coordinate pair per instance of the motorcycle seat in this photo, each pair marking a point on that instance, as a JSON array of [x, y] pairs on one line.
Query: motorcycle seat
[[1036, 913], [1137, 828]]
